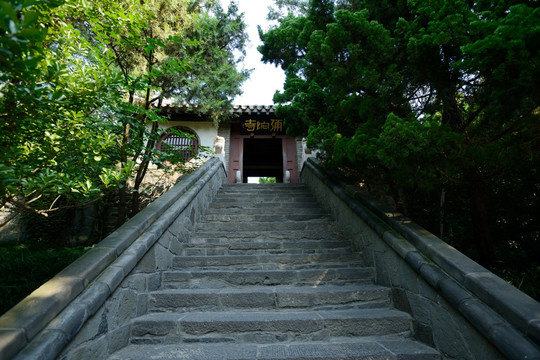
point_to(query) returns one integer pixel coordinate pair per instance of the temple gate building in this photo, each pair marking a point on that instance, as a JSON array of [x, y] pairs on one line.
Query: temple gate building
[[253, 143]]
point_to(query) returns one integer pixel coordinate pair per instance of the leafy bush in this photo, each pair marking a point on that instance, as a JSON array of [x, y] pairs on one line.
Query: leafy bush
[[24, 269], [267, 180]]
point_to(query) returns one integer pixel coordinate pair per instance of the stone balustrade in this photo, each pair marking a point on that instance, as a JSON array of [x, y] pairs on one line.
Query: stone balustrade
[[84, 311], [458, 306]]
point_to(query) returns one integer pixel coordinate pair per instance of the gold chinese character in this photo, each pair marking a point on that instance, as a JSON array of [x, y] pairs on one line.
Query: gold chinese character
[[277, 125], [250, 125], [264, 125]]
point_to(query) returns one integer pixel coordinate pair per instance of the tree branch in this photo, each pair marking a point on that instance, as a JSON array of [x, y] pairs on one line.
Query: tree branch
[[450, 178]]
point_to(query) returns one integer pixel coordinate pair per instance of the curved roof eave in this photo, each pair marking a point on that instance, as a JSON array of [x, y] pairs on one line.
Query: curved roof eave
[[237, 109]]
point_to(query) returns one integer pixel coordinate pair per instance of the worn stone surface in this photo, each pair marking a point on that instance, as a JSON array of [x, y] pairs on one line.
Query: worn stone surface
[[97, 348], [511, 303], [118, 338], [267, 297], [371, 349], [47, 344], [93, 297], [256, 276], [222, 278], [112, 277], [11, 340], [357, 322], [70, 320]]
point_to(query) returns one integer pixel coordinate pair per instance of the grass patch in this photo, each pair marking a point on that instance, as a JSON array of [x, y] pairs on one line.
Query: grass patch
[[23, 269]]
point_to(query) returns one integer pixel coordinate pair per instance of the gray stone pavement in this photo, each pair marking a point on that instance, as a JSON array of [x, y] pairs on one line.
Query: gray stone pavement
[[268, 275]]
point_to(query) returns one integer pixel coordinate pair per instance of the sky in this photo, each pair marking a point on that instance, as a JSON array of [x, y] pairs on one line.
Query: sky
[[265, 79]]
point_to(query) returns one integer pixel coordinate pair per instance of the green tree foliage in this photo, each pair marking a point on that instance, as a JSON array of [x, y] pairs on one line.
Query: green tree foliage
[[267, 180], [283, 8], [437, 99], [56, 150], [82, 83], [167, 48]]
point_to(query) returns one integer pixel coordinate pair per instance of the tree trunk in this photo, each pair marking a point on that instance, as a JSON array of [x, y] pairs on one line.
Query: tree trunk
[[453, 117], [141, 172], [143, 168], [122, 205], [122, 191], [441, 212], [483, 236], [399, 199]]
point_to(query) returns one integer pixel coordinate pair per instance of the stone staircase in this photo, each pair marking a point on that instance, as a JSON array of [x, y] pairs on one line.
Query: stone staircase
[[267, 275]]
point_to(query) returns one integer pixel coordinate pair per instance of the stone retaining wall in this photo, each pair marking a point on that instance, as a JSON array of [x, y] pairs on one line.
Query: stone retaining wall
[[84, 312], [459, 307]]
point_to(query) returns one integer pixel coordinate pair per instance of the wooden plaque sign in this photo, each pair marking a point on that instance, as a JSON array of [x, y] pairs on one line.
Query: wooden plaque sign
[[261, 127]]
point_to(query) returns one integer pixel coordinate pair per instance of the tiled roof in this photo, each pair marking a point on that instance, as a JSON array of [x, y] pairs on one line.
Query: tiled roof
[[250, 109], [180, 109], [237, 109]]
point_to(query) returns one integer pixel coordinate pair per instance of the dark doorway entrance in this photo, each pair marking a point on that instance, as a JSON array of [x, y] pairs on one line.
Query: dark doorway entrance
[[263, 158]]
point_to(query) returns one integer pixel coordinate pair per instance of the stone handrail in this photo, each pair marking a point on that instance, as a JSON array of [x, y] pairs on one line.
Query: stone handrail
[[505, 316], [44, 322]]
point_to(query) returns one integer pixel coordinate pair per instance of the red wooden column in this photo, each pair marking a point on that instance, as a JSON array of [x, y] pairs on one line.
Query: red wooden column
[[236, 150], [289, 158]]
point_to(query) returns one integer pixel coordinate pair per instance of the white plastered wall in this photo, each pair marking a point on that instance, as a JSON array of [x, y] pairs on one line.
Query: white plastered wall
[[205, 130]]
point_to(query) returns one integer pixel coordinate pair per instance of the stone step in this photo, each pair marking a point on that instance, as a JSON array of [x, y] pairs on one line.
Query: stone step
[[278, 260], [287, 206], [223, 277], [371, 348], [266, 188], [210, 240], [278, 218], [268, 275], [216, 236], [263, 197], [261, 248], [277, 297], [269, 266], [266, 210], [241, 187], [260, 193], [255, 227], [267, 326]]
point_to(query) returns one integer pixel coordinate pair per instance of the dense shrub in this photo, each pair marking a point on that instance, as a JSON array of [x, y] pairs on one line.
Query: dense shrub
[[25, 268]]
